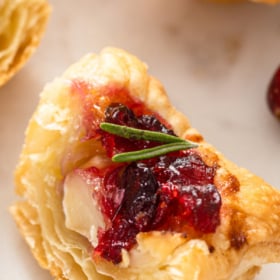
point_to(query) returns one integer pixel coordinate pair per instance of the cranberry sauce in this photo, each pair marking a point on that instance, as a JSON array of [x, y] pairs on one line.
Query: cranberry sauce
[[174, 192], [186, 193], [95, 101]]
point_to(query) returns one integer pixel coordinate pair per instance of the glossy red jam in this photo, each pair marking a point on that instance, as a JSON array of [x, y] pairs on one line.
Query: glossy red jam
[[95, 101], [174, 192]]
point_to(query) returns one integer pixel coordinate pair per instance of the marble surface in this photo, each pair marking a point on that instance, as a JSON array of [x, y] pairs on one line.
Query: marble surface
[[214, 60]]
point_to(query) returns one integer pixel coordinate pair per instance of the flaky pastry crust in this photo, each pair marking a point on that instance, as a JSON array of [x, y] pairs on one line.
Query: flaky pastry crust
[[249, 233], [23, 23]]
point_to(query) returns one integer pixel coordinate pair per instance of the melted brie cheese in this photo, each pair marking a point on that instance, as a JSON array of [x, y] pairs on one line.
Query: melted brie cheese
[[82, 213]]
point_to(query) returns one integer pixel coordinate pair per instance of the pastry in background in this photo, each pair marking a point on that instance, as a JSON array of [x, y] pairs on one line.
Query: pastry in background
[[93, 208], [269, 2], [22, 25]]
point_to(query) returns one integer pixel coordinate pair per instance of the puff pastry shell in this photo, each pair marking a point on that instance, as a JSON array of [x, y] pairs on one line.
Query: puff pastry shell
[[22, 25], [249, 233]]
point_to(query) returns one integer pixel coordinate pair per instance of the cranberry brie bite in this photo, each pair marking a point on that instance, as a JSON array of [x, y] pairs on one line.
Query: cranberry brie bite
[[116, 184]]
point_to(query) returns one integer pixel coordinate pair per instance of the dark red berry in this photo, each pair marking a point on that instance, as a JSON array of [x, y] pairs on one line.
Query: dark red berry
[[119, 114], [152, 123], [273, 94], [139, 202]]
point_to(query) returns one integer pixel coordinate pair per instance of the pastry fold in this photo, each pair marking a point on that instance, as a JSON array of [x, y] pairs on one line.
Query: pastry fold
[[22, 25], [56, 144]]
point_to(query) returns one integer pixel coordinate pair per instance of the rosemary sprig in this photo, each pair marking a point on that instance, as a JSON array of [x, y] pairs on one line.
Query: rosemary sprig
[[151, 152], [172, 143], [139, 134]]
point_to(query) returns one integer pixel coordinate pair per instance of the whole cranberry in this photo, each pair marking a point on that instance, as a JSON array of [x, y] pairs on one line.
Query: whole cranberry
[[139, 201], [273, 94], [120, 114]]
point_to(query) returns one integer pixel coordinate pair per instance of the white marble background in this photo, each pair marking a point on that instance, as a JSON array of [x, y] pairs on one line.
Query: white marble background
[[214, 60]]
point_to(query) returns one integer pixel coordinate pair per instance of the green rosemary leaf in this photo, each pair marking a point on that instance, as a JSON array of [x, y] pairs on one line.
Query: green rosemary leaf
[[139, 134], [152, 152], [171, 143]]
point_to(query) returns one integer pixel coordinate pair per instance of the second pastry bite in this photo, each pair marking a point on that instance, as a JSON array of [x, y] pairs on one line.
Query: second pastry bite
[[23, 24]]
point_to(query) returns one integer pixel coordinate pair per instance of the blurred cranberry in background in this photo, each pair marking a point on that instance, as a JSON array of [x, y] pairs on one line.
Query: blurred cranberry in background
[[273, 94]]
